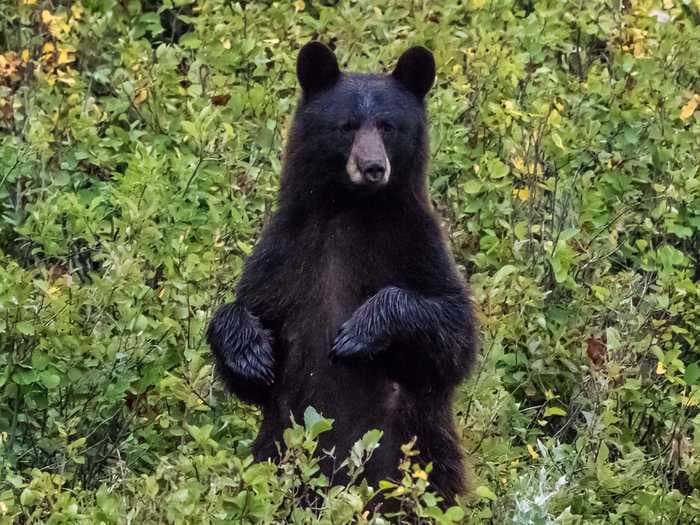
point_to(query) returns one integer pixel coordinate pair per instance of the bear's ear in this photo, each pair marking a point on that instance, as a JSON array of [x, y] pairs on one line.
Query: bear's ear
[[416, 70], [317, 68]]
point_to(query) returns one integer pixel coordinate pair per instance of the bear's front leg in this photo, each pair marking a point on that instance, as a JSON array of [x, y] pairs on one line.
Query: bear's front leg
[[243, 352], [435, 334]]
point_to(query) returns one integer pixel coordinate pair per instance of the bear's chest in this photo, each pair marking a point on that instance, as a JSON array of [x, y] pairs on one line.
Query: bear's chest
[[353, 263], [341, 267], [338, 282]]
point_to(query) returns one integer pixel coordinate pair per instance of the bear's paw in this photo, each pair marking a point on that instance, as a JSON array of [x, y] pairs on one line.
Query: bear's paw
[[354, 341]]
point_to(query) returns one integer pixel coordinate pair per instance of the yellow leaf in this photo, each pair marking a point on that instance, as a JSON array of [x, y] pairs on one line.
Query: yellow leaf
[[66, 79], [533, 453], [29, 2], [25, 55], [399, 491], [299, 5], [64, 57], [477, 168], [522, 194], [519, 164], [668, 4], [226, 43], [421, 474], [478, 4], [689, 401], [660, 368], [56, 24], [48, 47], [59, 28], [140, 96], [638, 47], [77, 10], [9, 62], [689, 108], [535, 168]]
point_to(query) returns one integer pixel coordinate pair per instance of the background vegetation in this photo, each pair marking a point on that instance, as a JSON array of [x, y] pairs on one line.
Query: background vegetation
[[140, 157]]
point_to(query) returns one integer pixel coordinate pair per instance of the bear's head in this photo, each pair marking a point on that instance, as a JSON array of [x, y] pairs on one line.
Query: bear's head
[[359, 134]]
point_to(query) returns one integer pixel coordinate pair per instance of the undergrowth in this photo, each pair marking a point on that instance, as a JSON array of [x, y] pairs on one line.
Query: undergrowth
[[140, 156]]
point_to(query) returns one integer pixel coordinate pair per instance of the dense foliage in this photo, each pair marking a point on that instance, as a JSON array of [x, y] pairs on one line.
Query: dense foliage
[[140, 157]]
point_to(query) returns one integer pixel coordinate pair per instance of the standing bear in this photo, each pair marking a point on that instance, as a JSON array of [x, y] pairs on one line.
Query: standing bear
[[350, 302]]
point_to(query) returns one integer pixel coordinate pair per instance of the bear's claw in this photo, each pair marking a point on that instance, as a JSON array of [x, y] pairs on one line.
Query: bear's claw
[[353, 343]]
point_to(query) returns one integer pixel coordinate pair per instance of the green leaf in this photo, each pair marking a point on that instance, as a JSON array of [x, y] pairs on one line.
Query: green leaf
[[612, 336], [311, 416], [315, 423], [472, 187], [293, 437], [49, 379], [25, 327], [692, 373], [30, 497], [497, 169], [190, 41], [455, 514], [371, 439], [386, 485], [557, 141], [485, 492], [503, 272], [554, 411]]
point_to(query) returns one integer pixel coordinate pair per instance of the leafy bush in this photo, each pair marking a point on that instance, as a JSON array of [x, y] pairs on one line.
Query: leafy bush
[[140, 157]]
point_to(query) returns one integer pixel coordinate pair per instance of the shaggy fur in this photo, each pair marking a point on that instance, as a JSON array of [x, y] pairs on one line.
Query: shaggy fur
[[350, 302]]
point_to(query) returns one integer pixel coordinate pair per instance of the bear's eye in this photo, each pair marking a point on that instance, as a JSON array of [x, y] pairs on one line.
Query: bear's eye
[[386, 127], [349, 126]]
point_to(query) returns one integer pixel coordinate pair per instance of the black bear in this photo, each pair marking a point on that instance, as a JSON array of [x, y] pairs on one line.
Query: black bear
[[350, 302]]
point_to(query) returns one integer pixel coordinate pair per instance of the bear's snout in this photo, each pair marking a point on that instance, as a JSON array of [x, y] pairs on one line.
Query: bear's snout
[[368, 164], [372, 171]]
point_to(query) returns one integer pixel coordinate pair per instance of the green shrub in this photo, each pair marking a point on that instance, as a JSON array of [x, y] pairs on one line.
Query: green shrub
[[138, 165]]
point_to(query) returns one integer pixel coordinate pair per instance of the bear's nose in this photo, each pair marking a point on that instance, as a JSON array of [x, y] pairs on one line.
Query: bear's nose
[[372, 171]]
